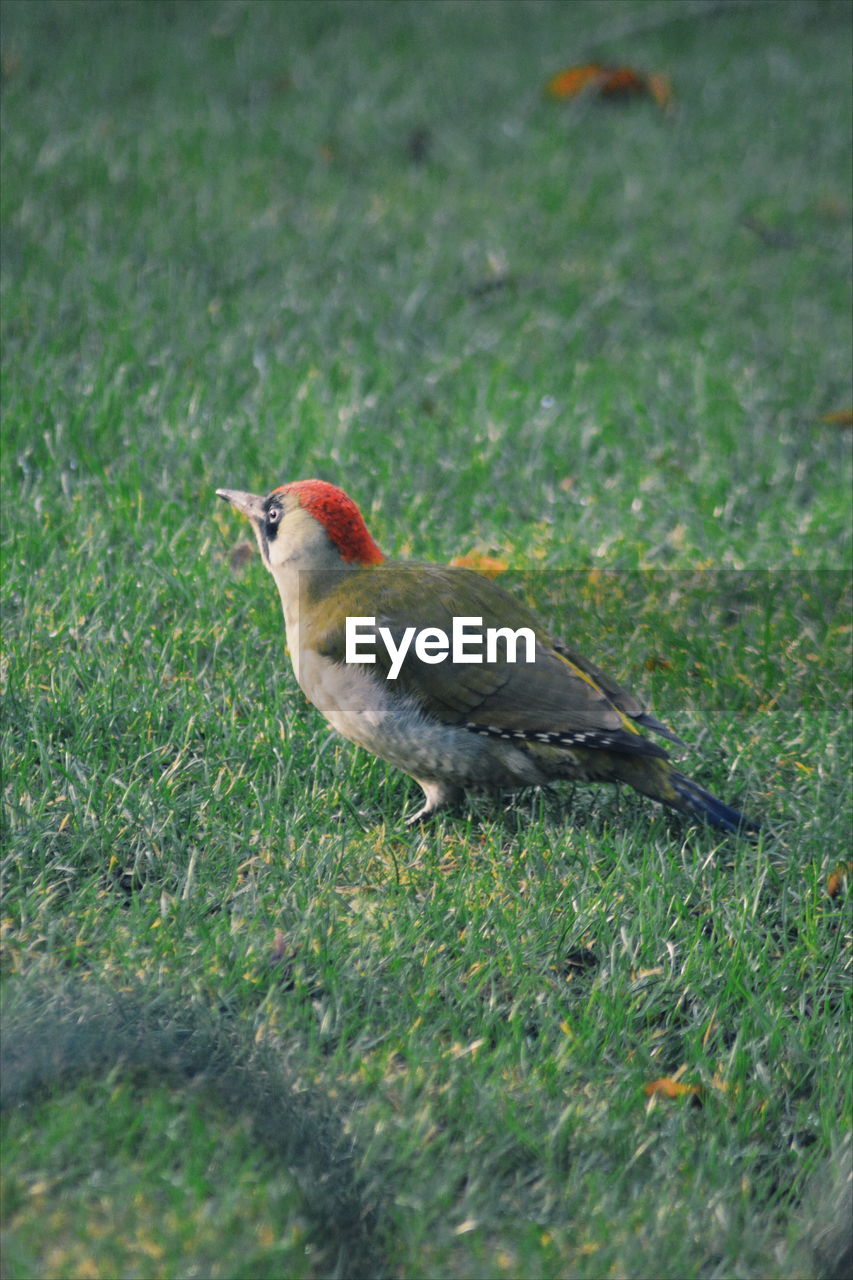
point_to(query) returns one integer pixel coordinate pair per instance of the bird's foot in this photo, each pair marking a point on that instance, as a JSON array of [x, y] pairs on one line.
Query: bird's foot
[[439, 795]]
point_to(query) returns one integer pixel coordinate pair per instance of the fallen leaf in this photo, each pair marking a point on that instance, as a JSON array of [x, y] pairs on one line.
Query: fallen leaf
[[470, 1224], [488, 566], [621, 82], [836, 878], [667, 1087], [842, 418], [462, 1050], [661, 90], [654, 663], [602, 81], [572, 81]]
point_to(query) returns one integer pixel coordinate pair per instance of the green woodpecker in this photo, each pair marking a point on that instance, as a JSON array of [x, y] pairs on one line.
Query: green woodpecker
[[443, 673]]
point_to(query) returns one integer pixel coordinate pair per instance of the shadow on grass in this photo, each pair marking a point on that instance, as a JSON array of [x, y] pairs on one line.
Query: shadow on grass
[[51, 1041]]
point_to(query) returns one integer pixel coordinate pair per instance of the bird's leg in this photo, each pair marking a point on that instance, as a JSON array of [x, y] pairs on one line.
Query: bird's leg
[[438, 795]]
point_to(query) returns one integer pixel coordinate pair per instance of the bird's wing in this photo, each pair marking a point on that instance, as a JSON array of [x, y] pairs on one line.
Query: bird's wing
[[554, 699], [618, 695]]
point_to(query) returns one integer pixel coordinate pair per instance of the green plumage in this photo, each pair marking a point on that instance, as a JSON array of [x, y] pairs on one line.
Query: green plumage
[[561, 710], [449, 718]]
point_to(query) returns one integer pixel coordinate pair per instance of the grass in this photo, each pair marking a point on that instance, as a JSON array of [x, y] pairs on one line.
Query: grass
[[174, 1186], [250, 243]]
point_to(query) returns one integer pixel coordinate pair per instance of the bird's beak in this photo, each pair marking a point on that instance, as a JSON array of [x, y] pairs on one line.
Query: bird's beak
[[250, 504]]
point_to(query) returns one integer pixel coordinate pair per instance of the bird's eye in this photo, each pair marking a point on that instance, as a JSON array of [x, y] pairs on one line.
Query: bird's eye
[[273, 515]]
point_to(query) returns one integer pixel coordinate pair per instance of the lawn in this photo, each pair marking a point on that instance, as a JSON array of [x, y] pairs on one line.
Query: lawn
[[254, 1025]]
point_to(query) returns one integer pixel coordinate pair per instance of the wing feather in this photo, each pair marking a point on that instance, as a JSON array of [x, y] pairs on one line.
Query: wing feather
[[559, 694]]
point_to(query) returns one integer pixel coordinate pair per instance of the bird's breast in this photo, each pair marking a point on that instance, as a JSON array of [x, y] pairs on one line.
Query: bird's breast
[[393, 725]]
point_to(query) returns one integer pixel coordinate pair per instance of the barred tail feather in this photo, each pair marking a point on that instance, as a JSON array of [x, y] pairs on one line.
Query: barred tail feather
[[696, 799]]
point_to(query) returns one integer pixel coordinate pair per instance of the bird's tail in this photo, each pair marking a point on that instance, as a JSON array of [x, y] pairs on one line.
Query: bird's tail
[[695, 799]]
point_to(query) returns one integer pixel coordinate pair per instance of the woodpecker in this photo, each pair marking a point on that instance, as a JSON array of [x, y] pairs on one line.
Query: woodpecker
[[389, 652]]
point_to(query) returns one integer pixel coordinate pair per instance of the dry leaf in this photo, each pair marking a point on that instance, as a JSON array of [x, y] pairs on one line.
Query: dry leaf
[[842, 418], [661, 90], [836, 878], [488, 566], [572, 81], [470, 1224], [667, 1087], [621, 82], [609, 82]]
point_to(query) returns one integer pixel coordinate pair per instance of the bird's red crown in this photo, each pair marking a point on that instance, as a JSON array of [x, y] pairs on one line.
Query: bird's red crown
[[339, 516]]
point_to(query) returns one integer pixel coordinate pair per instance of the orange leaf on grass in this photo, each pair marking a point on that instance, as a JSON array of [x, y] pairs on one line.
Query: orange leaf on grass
[[488, 566], [843, 418], [660, 89], [609, 82], [836, 878], [572, 81], [621, 82], [667, 1087]]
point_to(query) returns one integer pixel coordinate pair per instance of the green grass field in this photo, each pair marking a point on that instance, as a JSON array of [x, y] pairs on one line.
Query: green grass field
[[255, 1025]]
